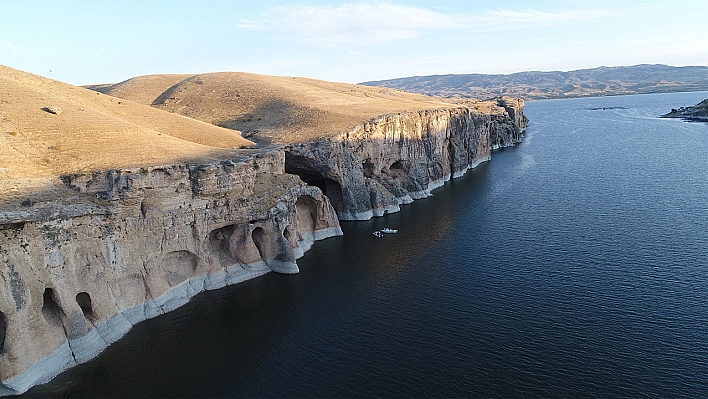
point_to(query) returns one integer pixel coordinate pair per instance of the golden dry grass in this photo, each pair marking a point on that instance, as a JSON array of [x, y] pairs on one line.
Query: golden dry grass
[[280, 109], [93, 132]]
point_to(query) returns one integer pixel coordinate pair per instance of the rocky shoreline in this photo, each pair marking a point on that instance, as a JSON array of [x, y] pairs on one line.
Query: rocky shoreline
[[696, 113], [141, 242]]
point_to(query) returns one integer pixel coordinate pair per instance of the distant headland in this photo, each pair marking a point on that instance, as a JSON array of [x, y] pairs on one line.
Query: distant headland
[[697, 113], [595, 82]]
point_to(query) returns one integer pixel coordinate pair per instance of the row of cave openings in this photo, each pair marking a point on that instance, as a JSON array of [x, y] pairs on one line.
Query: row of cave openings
[[52, 312], [311, 175], [307, 171], [306, 208]]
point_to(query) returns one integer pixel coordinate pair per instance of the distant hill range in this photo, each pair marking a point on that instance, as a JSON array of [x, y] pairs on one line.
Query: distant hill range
[[602, 81]]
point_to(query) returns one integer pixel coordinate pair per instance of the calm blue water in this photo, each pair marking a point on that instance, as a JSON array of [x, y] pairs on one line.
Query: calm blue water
[[573, 265]]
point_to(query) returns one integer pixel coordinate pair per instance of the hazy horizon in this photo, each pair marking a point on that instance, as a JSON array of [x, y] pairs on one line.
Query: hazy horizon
[[346, 41]]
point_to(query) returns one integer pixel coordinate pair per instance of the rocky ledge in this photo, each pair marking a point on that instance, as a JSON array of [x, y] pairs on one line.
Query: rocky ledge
[[374, 168], [696, 113], [141, 243], [126, 245]]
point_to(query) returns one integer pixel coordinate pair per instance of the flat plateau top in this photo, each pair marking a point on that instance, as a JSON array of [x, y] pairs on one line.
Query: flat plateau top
[[273, 109]]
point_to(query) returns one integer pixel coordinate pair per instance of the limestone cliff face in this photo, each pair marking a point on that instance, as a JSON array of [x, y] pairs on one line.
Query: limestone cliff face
[[393, 160], [76, 274], [74, 281]]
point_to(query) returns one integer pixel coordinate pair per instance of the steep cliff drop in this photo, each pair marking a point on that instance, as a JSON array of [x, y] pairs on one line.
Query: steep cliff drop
[[393, 160], [139, 243], [96, 237], [130, 211]]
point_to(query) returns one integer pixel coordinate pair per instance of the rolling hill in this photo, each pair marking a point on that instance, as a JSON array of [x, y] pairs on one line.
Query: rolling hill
[[272, 109], [48, 128], [602, 81]]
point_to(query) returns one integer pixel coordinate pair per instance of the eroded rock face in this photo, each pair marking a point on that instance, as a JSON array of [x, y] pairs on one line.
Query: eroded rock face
[[76, 275], [374, 168], [152, 239]]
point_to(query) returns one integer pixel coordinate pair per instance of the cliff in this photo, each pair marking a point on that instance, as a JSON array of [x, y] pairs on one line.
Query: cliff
[[139, 243], [334, 135], [393, 160], [107, 218]]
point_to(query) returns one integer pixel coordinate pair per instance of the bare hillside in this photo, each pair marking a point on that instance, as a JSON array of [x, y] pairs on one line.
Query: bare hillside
[[270, 108], [48, 128]]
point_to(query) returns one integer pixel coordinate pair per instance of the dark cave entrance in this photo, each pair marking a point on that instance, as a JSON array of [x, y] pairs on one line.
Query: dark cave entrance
[[259, 240], [51, 311], [83, 299], [304, 167]]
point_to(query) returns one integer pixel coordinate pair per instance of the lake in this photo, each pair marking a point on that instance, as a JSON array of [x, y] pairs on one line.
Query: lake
[[572, 265]]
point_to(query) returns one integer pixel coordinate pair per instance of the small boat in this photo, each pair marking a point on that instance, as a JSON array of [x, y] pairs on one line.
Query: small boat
[[378, 234], [389, 231]]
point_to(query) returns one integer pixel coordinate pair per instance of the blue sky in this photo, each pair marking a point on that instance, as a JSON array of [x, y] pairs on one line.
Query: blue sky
[[83, 42]]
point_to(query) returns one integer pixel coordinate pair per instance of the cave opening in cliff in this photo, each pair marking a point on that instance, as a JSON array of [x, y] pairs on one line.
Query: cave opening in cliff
[[367, 167], [83, 299], [219, 241], [257, 236], [51, 311], [399, 169], [305, 169], [398, 165], [3, 330], [306, 211], [290, 235]]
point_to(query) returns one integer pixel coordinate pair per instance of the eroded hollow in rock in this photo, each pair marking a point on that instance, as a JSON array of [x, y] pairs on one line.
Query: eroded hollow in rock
[[306, 211], [83, 299], [51, 311], [401, 165], [399, 169], [258, 239], [179, 266], [3, 330], [219, 242], [309, 173], [368, 168], [290, 235]]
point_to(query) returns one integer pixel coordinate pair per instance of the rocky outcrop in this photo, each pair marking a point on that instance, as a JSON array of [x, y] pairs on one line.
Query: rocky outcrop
[[696, 113], [374, 168], [76, 274], [142, 243]]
